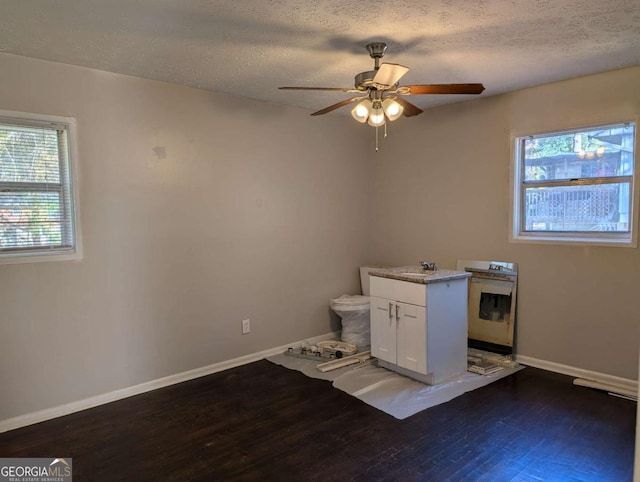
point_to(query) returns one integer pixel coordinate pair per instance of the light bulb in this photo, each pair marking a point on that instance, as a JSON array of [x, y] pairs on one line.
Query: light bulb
[[600, 151], [361, 111], [376, 117], [392, 109]]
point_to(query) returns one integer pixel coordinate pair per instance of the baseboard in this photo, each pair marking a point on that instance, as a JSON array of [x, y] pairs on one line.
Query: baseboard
[[67, 408], [602, 378]]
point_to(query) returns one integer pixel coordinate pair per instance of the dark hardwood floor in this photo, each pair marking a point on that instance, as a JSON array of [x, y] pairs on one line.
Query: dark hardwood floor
[[264, 422]]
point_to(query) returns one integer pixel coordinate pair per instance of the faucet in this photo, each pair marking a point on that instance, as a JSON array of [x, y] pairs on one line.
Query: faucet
[[428, 266]]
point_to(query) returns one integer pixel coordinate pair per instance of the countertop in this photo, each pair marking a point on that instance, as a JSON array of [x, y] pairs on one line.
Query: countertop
[[416, 274]]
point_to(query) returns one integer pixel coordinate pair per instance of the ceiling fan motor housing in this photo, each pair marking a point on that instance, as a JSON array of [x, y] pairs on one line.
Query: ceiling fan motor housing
[[364, 80]]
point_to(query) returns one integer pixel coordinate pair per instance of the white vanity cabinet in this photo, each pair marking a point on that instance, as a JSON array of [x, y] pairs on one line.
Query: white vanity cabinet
[[420, 329]]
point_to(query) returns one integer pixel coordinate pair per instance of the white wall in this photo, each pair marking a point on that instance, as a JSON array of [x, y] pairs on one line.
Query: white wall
[[441, 192], [243, 210]]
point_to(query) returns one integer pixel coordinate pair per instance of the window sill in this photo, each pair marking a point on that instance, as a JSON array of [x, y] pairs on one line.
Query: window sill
[[576, 241], [20, 258]]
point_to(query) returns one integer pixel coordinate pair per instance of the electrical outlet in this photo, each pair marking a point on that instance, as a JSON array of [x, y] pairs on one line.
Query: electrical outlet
[[246, 326]]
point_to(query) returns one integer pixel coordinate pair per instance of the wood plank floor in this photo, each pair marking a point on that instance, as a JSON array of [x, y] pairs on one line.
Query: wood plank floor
[[264, 422]]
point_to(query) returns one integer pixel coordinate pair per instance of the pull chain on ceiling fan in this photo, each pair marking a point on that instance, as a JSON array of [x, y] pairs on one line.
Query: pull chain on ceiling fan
[[383, 100]]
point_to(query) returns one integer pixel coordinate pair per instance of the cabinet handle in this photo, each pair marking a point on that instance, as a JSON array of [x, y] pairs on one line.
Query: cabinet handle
[[397, 312], [390, 304]]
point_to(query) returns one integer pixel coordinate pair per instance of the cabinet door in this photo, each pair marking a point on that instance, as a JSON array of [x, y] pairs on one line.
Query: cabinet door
[[383, 329], [412, 337]]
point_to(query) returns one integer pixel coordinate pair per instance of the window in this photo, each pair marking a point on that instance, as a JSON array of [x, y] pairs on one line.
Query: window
[[37, 216], [576, 186]]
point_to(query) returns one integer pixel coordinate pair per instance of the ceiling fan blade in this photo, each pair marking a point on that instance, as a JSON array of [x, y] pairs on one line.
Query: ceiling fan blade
[[337, 106], [389, 74], [409, 109], [338, 89], [444, 89]]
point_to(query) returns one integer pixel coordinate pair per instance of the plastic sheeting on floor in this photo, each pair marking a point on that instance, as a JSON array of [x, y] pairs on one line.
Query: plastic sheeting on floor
[[389, 391]]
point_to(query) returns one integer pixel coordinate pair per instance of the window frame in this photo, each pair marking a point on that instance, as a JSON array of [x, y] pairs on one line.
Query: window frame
[[73, 253], [517, 234]]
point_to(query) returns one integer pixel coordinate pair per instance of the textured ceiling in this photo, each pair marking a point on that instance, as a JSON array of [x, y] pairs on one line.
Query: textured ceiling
[[249, 48]]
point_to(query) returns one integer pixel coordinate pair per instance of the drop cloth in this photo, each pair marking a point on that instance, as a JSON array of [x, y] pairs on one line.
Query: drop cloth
[[386, 390]]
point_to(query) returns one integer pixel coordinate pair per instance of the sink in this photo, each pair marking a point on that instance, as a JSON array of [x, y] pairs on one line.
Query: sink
[[414, 274]]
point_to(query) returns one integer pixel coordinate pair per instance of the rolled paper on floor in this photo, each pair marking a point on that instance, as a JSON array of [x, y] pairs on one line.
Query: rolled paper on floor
[[343, 362]]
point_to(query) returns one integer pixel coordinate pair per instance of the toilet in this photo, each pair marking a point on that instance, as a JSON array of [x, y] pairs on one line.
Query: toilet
[[354, 312]]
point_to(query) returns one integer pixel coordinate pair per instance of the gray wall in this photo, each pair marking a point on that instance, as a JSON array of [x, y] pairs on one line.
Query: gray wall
[[259, 211], [441, 192], [255, 211]]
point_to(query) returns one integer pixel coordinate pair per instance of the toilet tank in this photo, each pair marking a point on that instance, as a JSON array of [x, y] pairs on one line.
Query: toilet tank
[[364, 278]]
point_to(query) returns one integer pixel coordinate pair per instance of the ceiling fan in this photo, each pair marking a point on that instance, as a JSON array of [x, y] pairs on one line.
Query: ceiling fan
[[382, 97]]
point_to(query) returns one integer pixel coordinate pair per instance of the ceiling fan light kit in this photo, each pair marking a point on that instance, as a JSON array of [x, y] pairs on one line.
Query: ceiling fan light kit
[[383, 101]]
